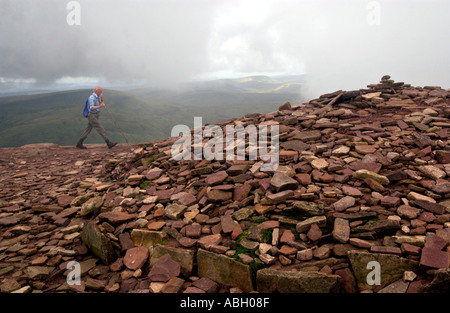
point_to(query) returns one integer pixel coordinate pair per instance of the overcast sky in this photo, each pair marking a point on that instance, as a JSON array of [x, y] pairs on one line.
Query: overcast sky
[[339, 44]]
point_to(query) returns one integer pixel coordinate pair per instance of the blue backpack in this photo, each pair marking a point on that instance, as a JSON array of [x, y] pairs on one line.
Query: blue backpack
[[86, 108]]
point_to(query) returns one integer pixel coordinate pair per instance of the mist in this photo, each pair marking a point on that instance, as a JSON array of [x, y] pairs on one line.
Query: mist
[[337, 44]]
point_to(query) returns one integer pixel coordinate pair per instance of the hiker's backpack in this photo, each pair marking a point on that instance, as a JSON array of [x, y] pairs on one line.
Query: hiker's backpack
[[86, 108]]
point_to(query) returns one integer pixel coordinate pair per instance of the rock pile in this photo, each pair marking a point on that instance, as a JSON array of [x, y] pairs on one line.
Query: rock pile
[[363, 178]]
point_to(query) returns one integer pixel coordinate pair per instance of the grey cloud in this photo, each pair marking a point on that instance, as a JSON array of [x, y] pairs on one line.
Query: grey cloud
[[342, 51], [117, 40], [164, 41]]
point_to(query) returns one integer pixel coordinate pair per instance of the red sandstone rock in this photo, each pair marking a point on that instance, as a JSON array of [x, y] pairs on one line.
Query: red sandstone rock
[[214, 205]]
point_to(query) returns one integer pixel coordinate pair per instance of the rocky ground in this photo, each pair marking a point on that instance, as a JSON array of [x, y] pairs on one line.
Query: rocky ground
[[363, 177]]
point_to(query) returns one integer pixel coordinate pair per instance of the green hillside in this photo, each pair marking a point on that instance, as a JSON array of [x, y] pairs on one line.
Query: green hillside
[[57, 117], [144, 115]]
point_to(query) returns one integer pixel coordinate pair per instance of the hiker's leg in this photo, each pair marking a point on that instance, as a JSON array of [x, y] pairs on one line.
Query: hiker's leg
[[87, 131], [98, 127]]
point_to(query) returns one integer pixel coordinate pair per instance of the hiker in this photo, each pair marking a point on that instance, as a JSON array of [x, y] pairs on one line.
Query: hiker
[[95, 103]]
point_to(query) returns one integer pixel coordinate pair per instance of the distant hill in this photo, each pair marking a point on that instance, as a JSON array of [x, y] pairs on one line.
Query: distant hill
[[252, 90], [57, 117], [143, 114]]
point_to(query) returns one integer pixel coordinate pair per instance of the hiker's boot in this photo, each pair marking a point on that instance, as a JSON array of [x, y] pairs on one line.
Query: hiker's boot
[[110, 144], [80, 145]]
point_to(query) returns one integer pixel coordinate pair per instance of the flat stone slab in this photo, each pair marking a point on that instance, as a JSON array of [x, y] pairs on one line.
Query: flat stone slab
[[304, 225], [147, 238], [380, 226], [430, 206], [356, 216], [270, 281], [397, 287], [282, 182], [363, 174], [308, 135], [392, 267], [365, 149], [295, 145], [98, 243], [164, 269], [116, 217], [216, 178], [175, 210], [435, 258], [370, 166], [216, 195], [183, 257], [341, 231], [344, 203], [37, 272], [224, 270], [9, 221], [228, 224], [432, 172], [136, 257]]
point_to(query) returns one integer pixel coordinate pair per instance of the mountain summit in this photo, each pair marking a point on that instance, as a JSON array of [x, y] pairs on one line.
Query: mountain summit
[[359, 203]]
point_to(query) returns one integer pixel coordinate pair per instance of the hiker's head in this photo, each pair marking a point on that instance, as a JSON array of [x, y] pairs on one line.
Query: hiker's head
[[98, 90]]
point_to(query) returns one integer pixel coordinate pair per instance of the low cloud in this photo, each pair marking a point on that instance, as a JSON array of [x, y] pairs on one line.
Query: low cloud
[[338, 44]]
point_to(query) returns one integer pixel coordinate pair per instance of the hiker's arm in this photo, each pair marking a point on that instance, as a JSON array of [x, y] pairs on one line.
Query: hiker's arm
[[94, 107], [102, 104], [98, 106]]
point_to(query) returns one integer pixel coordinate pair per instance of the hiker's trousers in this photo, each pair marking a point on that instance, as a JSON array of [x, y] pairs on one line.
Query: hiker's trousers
[[94, 123]]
